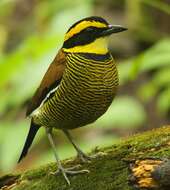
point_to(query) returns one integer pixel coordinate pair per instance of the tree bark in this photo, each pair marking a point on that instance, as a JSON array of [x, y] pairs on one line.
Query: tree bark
[[138, 162]]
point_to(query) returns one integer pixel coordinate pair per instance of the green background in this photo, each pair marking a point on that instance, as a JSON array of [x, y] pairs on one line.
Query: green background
[[32, 31]]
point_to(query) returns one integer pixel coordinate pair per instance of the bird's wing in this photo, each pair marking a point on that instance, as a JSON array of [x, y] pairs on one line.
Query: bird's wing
[[49, 82]]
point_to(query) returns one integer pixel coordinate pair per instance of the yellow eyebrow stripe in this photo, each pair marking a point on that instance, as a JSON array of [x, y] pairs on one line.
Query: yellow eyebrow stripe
[[81, 26]]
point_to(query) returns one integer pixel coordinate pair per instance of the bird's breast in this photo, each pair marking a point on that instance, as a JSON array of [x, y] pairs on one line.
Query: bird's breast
[[86, 90], [91, 75]]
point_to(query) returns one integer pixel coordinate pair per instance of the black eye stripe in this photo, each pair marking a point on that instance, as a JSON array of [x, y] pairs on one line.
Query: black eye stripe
[[85, 36], [92, 28], [89, 29]]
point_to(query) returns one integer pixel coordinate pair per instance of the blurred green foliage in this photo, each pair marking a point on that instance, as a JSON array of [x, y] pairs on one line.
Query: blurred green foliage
[[31, 34]]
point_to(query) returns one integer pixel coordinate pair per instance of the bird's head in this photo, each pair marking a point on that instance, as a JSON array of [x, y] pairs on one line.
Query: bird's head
[[90, 35]]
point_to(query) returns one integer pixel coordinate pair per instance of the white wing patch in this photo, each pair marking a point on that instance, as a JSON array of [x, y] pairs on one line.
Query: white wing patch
[[37, 110]]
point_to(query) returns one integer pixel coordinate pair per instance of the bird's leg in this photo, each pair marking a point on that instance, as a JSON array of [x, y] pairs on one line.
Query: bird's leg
[[80, 153], [64, 171]]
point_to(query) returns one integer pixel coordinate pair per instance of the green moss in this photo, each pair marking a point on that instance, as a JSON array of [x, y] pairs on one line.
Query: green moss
[[108, 171]]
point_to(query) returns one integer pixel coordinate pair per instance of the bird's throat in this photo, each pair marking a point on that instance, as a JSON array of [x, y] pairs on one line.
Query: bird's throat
[[99, 46]]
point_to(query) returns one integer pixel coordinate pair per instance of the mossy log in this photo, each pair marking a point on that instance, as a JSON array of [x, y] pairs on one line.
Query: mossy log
[[138, 162]]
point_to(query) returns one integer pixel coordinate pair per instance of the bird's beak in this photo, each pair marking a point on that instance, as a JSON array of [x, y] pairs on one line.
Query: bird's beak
[[113, 29]]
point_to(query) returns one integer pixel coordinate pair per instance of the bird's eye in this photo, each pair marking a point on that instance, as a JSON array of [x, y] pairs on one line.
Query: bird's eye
[[89, 29]]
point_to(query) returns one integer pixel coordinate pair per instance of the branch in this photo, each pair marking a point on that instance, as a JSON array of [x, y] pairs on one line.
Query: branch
[[140, 161]]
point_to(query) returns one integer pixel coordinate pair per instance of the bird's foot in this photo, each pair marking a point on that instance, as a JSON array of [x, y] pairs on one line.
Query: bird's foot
[[84, 157], [69, 171]]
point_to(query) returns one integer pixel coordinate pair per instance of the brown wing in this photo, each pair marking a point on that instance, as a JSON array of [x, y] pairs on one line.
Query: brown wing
[[50, 81]]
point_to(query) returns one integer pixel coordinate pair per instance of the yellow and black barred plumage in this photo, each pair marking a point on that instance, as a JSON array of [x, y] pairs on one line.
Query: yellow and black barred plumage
[[79, 85], [87, 89]]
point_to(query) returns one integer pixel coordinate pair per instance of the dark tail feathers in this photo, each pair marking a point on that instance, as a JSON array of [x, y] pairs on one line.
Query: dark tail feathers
[[32, 132]]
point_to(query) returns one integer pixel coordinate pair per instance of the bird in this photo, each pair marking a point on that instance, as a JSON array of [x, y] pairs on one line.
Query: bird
[[78, 87]]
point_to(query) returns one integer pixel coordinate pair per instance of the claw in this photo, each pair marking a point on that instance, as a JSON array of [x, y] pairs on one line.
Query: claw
[[69, 171], [85, 158]]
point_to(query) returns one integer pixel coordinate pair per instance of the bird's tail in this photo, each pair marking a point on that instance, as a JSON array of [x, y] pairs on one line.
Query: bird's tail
[[30, 137]]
